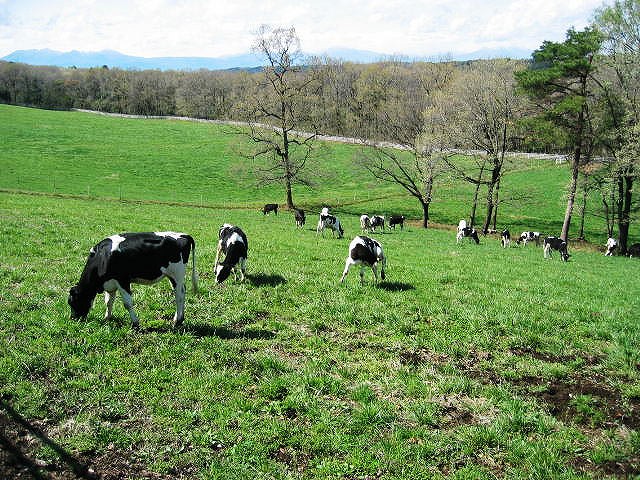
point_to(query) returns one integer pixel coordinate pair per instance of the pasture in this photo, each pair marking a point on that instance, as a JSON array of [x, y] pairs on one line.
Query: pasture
[[469, 361]]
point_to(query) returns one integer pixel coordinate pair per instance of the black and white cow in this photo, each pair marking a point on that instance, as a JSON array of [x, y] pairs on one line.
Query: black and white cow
[[529, 237], [365, 223], [555, 243], [120, 260], [377, 221], [300, 217], [396, 220], [329, 221], [233, 243], [612, 244], [634, 250], [270, 207], [365, 251], [466, 232], [505, 238]]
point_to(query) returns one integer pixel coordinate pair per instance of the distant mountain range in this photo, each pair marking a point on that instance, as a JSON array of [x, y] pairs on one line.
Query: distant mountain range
[[115, 59]]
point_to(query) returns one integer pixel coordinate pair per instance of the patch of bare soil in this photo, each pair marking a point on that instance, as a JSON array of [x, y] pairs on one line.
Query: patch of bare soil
[[21, 440], [294, 460]]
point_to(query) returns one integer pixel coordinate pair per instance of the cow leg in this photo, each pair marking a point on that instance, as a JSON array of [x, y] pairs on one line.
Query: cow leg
[[347, 266], [243, 268], [362, 275], [180, 292], [109, 298], [374, 269], [218, 253], [127, 300]]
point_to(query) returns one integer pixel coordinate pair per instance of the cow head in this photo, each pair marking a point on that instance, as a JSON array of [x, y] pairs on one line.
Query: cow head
[[222, 272], [80, 304]]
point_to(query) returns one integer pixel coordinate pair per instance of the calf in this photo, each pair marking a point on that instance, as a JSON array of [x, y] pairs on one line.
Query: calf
[[233, 243], [466, 232], [365, 251], [612, 244], [555, 243], [377, 221], [396, 220], [505, 238], [300, 217], [529, 237], [270, 207], [365, 223], [120, 260], [329, 221], [634, 250]]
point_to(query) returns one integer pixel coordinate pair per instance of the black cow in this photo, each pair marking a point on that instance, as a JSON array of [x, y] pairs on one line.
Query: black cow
[[300, 217], [270, 207], [634, 250], [396, 220], [233, 243], [120, 260], [505, 238], [555, 243], [365, 251], [377, 221]]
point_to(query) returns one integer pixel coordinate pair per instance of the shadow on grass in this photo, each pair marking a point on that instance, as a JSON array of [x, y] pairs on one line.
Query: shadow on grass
[[262, 279], [396, 286], [19, 458], [202, 331]]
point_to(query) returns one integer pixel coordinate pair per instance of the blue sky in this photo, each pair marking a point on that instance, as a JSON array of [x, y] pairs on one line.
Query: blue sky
[[213, 28]]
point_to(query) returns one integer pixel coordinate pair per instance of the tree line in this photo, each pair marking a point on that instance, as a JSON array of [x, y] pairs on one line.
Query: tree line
[[579, 97]]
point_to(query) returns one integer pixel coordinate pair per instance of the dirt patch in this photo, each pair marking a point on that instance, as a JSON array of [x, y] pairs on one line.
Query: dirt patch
[[21, 441], [550, 358], [619, 469], [422, 356], [292, 458]]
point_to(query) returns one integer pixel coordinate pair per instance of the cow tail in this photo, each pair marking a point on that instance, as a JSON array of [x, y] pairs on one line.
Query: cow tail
[[194, 273]]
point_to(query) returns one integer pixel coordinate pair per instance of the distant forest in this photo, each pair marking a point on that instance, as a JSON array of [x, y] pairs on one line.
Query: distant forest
[[345, 98]]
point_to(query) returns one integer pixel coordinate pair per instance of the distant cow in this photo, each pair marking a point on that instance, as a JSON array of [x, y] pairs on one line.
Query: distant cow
[[300, 217], [555, 243], [396, 220], [377, 221], [120, 260], [233, 243], [365, 223], [529, 237], [329, 221], [634, 250], [466, 232], [270, 207], [612, 244], [505, 238], [365, 251]]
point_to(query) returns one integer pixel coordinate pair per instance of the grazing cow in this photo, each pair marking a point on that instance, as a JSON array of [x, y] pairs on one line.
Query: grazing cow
[[120, 260], [329, 221], [365, 251], [555, 243], [377, 221], [365, 223], [300, 217], [505, 238], [270, 207], [233, 243], [466, 232], [634, 250], [529, 237], [396, 220], [612, 244], [324, 211]]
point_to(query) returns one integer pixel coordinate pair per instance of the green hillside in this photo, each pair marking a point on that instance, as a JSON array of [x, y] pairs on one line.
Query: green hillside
[[199, 163]]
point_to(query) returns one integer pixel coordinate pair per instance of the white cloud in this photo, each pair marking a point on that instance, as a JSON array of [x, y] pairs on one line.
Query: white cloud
[[216, 28]]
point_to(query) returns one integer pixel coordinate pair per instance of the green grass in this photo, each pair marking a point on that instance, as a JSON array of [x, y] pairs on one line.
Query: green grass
[[468, 362], [187, 162], [293, 375]]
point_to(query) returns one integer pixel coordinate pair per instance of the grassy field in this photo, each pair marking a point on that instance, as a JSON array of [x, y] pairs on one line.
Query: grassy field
[[186, 162], [468, 362]]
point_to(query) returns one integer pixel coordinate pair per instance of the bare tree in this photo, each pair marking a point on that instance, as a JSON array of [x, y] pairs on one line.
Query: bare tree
[[276, 112]]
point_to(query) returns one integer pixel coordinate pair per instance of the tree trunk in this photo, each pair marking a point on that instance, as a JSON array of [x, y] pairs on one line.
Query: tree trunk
[[495, 178], [474, 206], [495, 207], [571, 199], [625, 217], [425, 213], [583, 210]]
